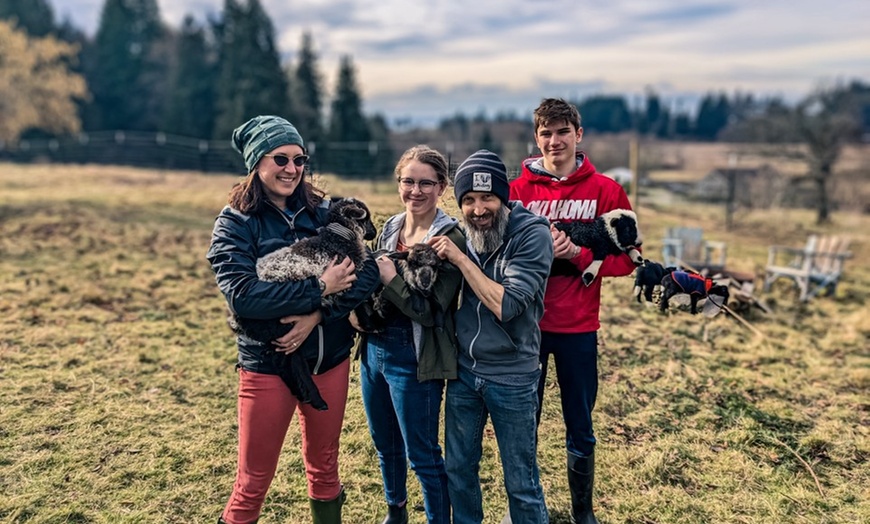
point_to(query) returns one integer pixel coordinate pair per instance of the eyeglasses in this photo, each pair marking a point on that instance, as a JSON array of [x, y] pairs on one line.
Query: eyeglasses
[[283, 160], [426, 186]]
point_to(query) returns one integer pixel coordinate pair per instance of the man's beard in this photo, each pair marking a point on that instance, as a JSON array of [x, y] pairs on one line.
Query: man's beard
[[487, 239]]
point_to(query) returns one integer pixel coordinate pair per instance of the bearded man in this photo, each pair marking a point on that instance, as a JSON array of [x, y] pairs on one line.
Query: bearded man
[[509, 254]]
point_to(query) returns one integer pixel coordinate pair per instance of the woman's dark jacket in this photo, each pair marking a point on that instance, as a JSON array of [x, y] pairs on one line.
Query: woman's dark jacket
[[238, 240]]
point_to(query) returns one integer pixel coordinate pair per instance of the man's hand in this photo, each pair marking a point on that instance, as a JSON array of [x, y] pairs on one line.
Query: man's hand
[[562, 245], [338, 276], [446, 249], [302, 327]]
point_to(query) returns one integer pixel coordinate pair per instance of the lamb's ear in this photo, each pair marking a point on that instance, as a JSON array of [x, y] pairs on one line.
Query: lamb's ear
[[356, 213], [400, 255]]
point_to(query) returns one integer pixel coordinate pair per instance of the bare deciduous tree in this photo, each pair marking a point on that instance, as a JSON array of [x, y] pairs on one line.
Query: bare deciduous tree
[[824, 123]]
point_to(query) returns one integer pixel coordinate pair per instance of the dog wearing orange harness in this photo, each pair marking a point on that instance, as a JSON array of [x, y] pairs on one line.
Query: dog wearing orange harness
[[692, 284]]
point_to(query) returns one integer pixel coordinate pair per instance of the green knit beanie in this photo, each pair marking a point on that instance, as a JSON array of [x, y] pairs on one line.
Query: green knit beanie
[[262, 134]]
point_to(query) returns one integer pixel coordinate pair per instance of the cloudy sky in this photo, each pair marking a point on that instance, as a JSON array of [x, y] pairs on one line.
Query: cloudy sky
[[431, 58]]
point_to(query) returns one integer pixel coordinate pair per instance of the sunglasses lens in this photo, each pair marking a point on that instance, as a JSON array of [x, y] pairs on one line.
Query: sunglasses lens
[[281, 160], [300, 160]]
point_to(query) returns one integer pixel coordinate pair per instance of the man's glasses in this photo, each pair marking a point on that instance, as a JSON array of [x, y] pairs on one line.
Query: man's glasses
[[283, 160], [426, 186]]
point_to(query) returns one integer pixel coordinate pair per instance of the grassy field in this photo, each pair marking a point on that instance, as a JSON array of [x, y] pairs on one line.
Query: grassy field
[[117, 400]]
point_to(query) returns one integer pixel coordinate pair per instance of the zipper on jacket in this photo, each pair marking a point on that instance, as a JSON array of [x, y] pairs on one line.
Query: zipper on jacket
[[479, 302], [291, 223]]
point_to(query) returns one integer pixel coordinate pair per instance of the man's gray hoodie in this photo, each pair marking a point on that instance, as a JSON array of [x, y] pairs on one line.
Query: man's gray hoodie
[[507, 351]]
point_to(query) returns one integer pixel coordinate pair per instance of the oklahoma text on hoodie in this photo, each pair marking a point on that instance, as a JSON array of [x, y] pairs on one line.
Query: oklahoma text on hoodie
[[496, 349], [570, 306]]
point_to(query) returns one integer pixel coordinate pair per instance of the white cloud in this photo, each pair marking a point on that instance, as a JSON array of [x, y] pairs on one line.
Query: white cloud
[[517, 48]]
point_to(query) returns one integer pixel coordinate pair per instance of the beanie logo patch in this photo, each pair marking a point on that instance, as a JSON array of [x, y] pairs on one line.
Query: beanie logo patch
[[482, 181]]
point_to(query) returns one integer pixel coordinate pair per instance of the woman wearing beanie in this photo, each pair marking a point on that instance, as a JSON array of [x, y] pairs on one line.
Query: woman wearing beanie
[[404, 366], [273, 207]]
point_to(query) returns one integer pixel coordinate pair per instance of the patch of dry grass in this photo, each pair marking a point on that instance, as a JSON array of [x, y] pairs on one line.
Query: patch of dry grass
[[118, 391]]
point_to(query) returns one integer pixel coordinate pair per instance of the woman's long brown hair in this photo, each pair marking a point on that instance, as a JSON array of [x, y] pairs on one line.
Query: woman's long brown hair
[[249, 196]]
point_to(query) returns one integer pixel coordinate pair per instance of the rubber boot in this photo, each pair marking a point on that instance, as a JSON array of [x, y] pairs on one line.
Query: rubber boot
[[581, 476], [396, 515], [327, 511]]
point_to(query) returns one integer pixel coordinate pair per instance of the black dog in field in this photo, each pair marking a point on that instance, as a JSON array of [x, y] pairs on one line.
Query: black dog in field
[[694, 285], [349, 225], [647, 277], [612, 233], [419, 267]]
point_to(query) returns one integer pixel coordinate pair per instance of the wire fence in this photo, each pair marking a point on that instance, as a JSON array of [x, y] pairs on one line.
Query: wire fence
[[172, 152], [133, 148]]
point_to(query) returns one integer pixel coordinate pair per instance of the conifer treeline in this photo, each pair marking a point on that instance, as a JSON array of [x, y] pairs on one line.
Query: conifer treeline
[[205, 78]]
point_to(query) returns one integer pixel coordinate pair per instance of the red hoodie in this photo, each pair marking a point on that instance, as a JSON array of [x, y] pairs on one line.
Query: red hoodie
[[570, 306]]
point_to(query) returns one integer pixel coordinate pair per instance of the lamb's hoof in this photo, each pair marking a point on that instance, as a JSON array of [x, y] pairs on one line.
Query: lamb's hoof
[[588, 278]]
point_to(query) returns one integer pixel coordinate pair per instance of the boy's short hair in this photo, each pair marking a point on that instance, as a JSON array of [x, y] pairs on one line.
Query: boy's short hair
[[556, 110]]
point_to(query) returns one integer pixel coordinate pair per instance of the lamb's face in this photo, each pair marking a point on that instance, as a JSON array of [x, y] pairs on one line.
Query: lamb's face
[[627, 234], [420, 266], [355, 215], [426, 263]]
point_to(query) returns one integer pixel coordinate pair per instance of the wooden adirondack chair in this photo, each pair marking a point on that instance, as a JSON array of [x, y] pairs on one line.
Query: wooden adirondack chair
[[685, 248], [814, 268]]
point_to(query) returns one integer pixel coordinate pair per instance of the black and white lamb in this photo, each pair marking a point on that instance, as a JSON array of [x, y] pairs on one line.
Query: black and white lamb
[[419, 267], [697, 287], [612, 233], [349, 224], [647, 277]]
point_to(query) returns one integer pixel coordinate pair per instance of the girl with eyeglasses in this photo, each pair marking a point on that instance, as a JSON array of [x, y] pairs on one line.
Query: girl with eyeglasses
[[273, 207], [404, 366]]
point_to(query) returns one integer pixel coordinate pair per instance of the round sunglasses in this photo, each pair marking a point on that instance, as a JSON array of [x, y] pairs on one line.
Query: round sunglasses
[[283, 160]]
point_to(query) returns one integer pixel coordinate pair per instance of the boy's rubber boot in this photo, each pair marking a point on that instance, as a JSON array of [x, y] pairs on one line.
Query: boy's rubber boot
[[581, 476], [396, 515]]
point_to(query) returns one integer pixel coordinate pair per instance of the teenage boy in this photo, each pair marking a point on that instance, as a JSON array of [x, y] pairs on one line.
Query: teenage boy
[[563, 185]]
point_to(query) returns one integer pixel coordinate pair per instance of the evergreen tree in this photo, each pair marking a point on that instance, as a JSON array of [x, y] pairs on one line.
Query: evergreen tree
[[251, 81], [126, 67], [349, 136], [654, 114], [605, 114], [682, 125], [34, 17], [307, 91], [712, 116], [383, 162], [190, 106], [487, 141]]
